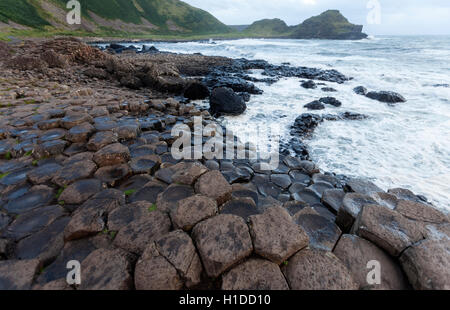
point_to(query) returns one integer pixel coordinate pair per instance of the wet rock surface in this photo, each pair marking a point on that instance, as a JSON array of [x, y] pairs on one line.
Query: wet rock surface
[[255, 274], [214, 185], [107, 270], [17, 275], [394, 235], [222, 241], [87, 174], [177, 247], [138, 234], [276, 236], [193, 210], [318, 270], [352, 205], [356, 253], [154, 272], [425, 265], [323, 234]]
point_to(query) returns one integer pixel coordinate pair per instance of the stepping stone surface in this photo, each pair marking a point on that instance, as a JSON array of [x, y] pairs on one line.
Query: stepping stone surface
[[43, 173], [255, 274], [137, 235], [243, 207], [213, 184], [193, 210], [352, 205], [106, 270], [222, 241], [38, 196], [356, 253], [318, 270], [275, 235], [33, 221], [426, 265], [323, 234], [17, 274], [72, 172], [80, 191], [154, 272], [113, 154], [177, 247], [394, 235], [169, 198]]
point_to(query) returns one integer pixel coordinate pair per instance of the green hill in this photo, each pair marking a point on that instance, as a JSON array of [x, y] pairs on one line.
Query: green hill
[[113, 17], [158, 19], [328, 25], [21, 12], [268, 28]]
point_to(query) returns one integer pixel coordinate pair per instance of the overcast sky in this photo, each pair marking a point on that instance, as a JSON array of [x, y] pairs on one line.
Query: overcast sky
[[397, 16]]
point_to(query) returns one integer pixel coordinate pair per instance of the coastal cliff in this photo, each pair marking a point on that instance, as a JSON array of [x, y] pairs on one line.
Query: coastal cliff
[[331, 25], [328, 25]]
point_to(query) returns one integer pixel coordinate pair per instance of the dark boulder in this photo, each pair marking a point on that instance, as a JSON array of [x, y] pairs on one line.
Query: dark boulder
[[149, 49], [329, 90], [196, 91], [331, 101], [305, 124], [360, 90], [352, 116], [225, 101], [315, 105], [235, 83], [116, 48], [245, 96], [386, 96], [309, 84]]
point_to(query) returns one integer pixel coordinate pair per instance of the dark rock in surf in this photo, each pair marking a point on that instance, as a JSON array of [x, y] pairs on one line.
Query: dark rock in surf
[[315, 105], [116, 47], [309, 85], [226, 101], [149, 49], [219, 79], [245, 96], [352, 116], [331, 101], [196, 91], [360, 90], [386, 96], [329, 90], [305, 124]]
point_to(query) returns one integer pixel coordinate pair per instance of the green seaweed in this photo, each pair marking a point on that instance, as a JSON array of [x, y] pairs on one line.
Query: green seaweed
[[130, 192], [153, 208]]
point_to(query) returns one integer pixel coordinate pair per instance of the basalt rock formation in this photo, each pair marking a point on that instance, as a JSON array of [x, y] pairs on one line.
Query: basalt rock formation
[[87, 174]]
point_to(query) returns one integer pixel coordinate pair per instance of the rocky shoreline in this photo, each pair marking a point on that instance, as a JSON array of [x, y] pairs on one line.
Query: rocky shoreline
[[86, 174]]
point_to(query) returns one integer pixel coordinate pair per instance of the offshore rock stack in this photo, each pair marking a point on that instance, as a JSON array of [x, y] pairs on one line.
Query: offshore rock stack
[[86, 174]]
